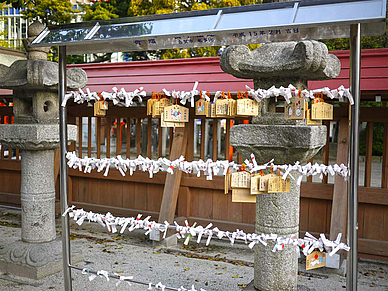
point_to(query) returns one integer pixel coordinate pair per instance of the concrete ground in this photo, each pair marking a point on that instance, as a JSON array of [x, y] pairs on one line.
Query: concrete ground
[[217, 267]]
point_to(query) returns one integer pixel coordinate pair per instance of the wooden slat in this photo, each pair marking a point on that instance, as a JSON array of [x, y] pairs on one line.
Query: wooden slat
[[239, 159], [2, 145], [371, 195], [72, 120], [190, 138], [368, 154], [310, 178], [160, 137], [172, 184], [17, 154], [227, 139], [128, 141], [339, 205], [113, 112], [107, 133], [118, 136], [203, 129], [171, 133], [80, 137], [89, 136], [10, 165], [368, 114], [149, 137], [98, 136], [138, 136], [214, 153], [326, 149], [384, 177], [56, 164], [2, 151]]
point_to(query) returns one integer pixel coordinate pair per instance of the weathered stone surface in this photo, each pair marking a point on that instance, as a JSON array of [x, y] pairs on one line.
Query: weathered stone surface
[[45, 107], [281, 267], [285, 143], [38, 203], [34, 137], [34, 261], [39, 75], [35, 53], [300, 60]]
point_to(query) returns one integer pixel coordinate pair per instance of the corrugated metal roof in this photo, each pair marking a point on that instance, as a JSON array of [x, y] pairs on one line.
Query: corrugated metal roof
[[281, 21]]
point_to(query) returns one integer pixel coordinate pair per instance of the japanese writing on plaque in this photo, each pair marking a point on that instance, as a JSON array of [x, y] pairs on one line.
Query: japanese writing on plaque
[[265, 32]]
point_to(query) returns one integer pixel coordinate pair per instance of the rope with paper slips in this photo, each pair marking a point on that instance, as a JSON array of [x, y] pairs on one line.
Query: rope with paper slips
[[128, 279], [308, 243], [208, 168], [124, 98]]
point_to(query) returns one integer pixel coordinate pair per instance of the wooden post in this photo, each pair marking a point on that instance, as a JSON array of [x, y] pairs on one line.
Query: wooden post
[[203, 125], [215, 144], [128, 138], [368, 154], [80, 137], [98, 138], [310, 178], [89, 137], [108, 124], [160, 138], [227, 139], [71, 120], [326, 149], [149, 137], [340, 197], [384, 177], [118, 136], [189, 156], [138, 136], [173, 182]]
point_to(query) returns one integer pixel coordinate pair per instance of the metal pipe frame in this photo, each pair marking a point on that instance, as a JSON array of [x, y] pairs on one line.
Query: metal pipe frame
[[63, 170], [355, 68]]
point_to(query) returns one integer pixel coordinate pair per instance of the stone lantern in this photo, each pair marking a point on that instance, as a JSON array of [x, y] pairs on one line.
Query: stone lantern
[[287, 141], [36, 133]]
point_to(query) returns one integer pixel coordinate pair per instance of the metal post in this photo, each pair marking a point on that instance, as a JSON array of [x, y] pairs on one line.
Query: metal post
[[63, 170], [355, 67]]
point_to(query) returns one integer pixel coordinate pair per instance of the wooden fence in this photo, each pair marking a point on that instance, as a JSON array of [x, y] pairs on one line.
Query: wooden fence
[[129, 132]]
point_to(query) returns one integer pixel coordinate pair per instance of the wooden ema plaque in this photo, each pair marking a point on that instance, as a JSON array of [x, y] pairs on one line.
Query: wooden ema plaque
[[247, 107], [278, 185], [156, 109], [227, 183], [158, 106], [100, 108], [255, 180], [315, 260], [176, 113], [243, 195], [170, 124], [295, 109], [322, 111], [263, 183], [232, 107], [241, 180], [222, 107], [309, 121], [150, 102], [202, 107], [212, 111]]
